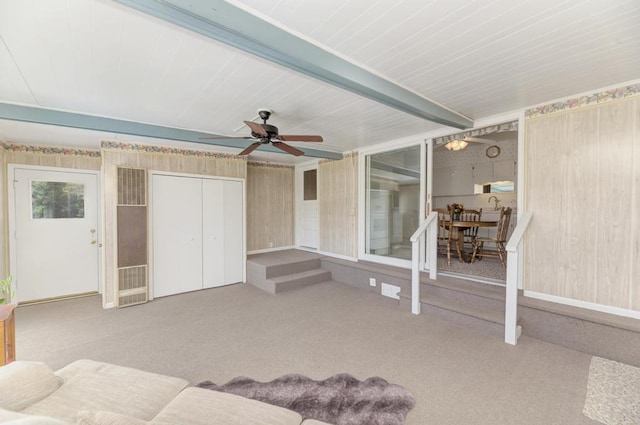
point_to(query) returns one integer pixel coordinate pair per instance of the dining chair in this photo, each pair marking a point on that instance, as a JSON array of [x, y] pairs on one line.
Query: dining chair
[[445, 232], [472, 232], [499, 240]]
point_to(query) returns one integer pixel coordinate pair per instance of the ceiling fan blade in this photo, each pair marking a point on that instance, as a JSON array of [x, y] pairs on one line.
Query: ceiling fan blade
[[299, 138], [252, 147], [223, 137], [256, 128], [287, 148]]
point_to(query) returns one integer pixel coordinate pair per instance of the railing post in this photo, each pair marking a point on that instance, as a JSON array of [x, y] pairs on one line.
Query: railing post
[[514, 279], [432, 242], [417, 257], [415, 275], [511, 328]]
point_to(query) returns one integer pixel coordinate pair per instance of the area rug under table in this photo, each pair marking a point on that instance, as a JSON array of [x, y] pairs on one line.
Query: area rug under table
[[613, 393], [339, 400]]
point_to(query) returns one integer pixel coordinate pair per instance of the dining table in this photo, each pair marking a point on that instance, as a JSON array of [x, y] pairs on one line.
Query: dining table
[[458, 228]]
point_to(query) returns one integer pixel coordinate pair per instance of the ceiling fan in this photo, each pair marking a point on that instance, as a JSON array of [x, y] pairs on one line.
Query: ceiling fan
[[266, 133]]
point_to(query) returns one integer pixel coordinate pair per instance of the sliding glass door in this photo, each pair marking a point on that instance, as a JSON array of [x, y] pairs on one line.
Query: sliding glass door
[[392, 201]]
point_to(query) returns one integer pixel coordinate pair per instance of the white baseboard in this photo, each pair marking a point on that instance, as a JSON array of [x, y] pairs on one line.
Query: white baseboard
[[109, 305], [261, 251], [634, 314]]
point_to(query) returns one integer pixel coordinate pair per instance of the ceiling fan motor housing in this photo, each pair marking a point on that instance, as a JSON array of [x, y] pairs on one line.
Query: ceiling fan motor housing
[[271, 130]]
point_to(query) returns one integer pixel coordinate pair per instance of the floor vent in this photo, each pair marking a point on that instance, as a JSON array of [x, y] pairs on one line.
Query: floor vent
[[132, 286]]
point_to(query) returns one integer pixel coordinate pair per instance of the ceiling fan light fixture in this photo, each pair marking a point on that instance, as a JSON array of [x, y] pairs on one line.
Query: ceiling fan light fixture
[[456, 145]]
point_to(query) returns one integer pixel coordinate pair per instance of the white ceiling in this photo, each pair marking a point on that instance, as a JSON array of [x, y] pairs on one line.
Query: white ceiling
[[479, 58]]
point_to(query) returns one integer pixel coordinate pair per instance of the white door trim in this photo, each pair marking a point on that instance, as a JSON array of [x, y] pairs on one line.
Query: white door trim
[[151, 173], [11, 206], [299, 198]]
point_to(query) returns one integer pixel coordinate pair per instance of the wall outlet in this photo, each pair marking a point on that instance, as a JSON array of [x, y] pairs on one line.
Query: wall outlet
[[391, 291], [372, 281]]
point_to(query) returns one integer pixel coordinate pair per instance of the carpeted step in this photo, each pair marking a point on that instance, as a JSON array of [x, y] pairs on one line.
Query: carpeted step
[[298, 280], [291, 267]]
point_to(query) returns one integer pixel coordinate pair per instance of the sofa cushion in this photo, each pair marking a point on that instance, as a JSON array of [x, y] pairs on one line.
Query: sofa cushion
[[15, 418], [197, 406], [23, 383], [91, 417], [102, 386]]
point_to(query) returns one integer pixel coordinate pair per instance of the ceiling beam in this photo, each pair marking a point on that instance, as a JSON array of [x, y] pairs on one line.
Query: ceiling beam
[[112, 125], [238, 28]]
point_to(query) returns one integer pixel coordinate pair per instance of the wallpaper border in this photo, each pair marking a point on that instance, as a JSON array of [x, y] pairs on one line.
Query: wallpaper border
[[50, 150], [132, 147], [579, 102]]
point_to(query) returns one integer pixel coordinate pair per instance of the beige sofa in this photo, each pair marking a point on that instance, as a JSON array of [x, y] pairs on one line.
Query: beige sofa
[[93, 393]]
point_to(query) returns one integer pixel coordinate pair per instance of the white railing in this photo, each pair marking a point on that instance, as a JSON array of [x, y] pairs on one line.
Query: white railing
[[514, 279], [428, 230]]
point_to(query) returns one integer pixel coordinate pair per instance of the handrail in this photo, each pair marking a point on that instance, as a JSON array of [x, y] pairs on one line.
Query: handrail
[[423, 226], [514, 279], [417, 247], [518, 233]]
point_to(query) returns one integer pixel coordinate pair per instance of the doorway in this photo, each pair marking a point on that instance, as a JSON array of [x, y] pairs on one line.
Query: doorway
[[55, 237], [307, 207], [481, 175]]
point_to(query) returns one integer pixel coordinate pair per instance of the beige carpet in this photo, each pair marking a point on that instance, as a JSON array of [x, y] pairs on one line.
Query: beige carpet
[[613, 393], [457, 375]]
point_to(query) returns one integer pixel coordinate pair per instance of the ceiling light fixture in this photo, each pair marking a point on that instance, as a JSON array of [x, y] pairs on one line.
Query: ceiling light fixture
[[456, 145]]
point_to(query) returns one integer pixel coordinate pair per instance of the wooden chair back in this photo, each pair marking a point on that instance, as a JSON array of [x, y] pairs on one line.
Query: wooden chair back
[[444, 217], [470, 215], [503, 224]]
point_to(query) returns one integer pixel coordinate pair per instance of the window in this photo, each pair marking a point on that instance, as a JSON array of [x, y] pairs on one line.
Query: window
[[57, 200], [310, 185], [392, 201]]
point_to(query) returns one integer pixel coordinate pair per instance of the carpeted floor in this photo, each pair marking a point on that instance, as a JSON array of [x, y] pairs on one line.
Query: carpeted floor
[[457, 376], [487, 267]]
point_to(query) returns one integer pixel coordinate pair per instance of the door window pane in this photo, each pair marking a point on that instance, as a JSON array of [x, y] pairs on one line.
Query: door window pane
[[57, 200], [393, 201], [310, 185]]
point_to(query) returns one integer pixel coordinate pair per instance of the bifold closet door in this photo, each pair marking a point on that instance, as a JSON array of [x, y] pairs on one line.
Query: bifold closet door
[[222, 232], [177, 234]]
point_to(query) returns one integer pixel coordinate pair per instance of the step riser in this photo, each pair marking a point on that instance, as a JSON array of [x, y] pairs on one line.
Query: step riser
[[464, 298], [458, 318], [288, 285], [291, 268]]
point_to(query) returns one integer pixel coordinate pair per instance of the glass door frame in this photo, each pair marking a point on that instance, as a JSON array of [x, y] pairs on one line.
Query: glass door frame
[[363, 197]]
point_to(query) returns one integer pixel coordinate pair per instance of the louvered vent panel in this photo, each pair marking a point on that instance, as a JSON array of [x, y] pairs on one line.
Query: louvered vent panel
[[132, 286], [132, 187], [132, 237]]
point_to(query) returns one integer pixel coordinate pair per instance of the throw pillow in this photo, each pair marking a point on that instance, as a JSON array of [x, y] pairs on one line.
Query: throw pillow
[[23, 383]]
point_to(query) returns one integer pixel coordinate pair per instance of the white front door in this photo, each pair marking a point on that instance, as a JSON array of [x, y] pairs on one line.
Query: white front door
[[55, 236], [307, 207]]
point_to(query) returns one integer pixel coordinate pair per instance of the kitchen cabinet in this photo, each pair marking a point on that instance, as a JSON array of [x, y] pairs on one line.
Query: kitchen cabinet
[[453, 181], [504, 170], [486, 172]]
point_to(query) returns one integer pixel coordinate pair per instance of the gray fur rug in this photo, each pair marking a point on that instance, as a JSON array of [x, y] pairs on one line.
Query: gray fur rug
[[339, 400]]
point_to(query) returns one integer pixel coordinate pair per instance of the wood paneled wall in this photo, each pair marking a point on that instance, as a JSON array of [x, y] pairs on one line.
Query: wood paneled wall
[[338, 206], [583, 187], [157, 161], [270, 206]]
